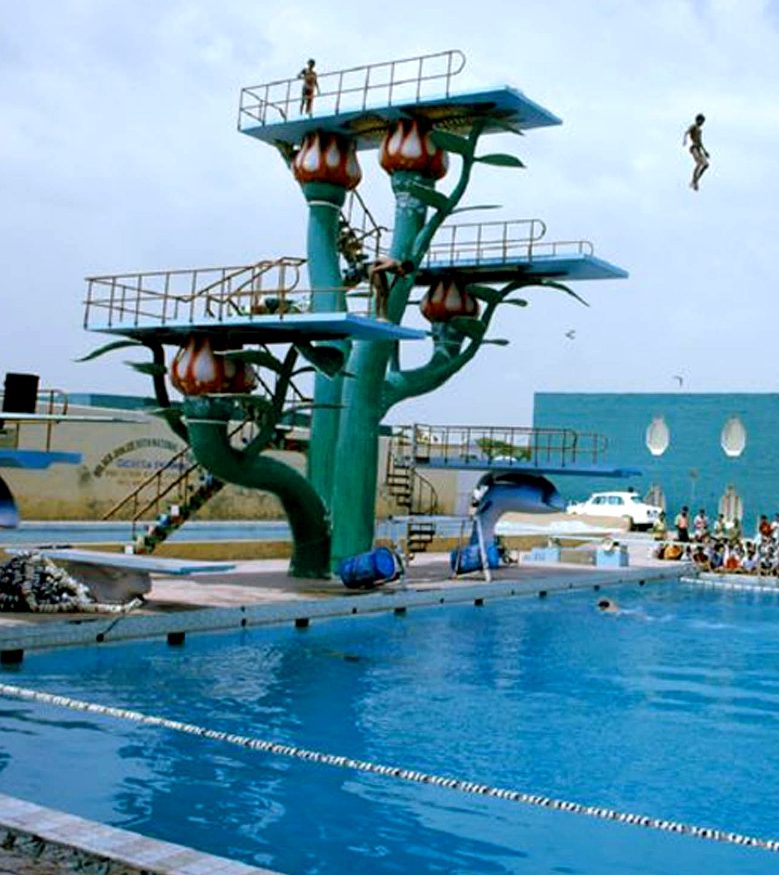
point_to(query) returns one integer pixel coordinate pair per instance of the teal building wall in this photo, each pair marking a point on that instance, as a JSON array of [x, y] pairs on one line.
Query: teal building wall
[[694, 469]]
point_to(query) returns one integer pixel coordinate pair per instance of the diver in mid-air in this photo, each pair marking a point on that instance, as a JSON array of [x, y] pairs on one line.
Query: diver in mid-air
[[697, 150]]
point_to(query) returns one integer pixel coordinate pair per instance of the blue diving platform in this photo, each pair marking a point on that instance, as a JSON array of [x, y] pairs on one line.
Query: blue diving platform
[[504, 449], [503, 251], [257, 303], [583, 469], [290, 328], [502, 109], [362, 102], [37, 460], [572, 267]]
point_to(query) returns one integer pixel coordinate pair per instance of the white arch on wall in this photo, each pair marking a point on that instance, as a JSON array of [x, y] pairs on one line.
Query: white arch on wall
[[658, 436]]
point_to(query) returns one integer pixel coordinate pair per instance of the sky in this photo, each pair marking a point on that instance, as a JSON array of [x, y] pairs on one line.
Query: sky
[[119, 152]]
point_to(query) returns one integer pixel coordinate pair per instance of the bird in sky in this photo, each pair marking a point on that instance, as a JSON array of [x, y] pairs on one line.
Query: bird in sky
[[571, 334], [679, 379]]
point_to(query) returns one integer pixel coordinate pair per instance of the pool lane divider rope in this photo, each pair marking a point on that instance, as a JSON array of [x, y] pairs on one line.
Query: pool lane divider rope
[[462, 786]]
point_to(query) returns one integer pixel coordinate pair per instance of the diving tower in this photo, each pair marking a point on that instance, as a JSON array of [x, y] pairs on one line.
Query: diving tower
[[260, 303], [503, 449], [412, 113], [361, 103]]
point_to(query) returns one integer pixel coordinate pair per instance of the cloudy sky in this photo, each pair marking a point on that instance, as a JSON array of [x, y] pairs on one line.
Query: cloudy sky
[[119, 152]]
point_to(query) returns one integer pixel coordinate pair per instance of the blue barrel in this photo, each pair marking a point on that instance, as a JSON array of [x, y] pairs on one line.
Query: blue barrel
[[366, 570], [468, 558]]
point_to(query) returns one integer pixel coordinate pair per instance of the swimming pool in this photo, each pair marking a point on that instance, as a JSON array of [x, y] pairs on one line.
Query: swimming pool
[[669, 709]]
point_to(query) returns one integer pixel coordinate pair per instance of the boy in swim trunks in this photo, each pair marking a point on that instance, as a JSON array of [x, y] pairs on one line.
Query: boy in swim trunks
[[699, 154], [310, 85]]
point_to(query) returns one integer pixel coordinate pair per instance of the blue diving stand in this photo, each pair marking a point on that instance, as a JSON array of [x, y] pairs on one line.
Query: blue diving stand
[[502, 109]]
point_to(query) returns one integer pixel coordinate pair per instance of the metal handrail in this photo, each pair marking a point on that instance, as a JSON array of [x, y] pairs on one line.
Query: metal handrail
[[399, 80], [210, 292], [513, 445], [49, 399], [475, 241]]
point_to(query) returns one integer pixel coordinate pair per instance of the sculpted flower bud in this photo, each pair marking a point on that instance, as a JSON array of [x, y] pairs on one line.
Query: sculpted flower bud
[[196, 370], [445, 300], [408, 146], [326, 157]]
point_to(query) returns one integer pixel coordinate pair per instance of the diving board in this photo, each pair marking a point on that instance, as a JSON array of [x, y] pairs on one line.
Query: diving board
[[500, 109], [118, 577], [363, 102], [37, 460], [576, 266], [283, 328]]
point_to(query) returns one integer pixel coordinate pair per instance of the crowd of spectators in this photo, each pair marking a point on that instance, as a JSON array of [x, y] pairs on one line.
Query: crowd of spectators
[[720, 546]]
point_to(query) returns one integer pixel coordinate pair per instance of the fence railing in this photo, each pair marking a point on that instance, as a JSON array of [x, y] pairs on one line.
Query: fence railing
[[497, 242], [386, 83], [51, 402], [475, 242], [200, 294], [498, 446]]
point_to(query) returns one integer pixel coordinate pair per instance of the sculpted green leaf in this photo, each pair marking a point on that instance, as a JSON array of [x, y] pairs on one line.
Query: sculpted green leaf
[[517, 302], [496, 341], [500, 159], [484, 293], [429, 196], [258, 357], [468, 326], [476, 207], [328, 359], [109, 347], [150, 368], [552, 284], [451, 142]]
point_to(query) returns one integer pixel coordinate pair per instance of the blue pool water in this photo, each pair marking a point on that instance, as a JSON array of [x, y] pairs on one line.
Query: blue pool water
[[669, 709]]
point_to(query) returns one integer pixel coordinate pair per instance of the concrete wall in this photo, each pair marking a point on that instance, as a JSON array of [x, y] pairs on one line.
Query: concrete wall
[[116, 459], [694, 469]]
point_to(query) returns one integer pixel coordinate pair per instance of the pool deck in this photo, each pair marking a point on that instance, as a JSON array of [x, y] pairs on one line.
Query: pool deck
[[41, 841], [259, 592]]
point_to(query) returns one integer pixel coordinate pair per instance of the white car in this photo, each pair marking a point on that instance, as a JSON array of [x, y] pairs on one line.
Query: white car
[[627, 505]]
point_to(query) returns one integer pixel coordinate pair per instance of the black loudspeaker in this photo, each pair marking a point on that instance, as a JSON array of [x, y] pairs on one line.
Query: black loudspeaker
[[21, 393]]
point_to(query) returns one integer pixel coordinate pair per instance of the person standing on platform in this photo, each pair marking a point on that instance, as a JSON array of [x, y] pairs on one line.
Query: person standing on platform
[[310, 86], [682, 523]]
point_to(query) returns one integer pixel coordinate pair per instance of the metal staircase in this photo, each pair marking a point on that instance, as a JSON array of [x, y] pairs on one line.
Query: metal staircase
[[173, 501], [412, 492]]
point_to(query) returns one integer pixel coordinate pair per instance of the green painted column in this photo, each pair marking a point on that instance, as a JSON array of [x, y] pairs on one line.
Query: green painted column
[[207, 421], [324, 205], [353, 509]]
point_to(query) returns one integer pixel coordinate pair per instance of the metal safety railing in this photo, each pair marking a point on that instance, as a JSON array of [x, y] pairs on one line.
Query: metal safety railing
[[386, 84], [497, 446], [499, 242], [476, 242], [50, 402], [194, 295]]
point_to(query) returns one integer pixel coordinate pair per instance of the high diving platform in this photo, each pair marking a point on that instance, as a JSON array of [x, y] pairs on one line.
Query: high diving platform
[[511, 250], [504, 449], [258, 303], [362, 102]]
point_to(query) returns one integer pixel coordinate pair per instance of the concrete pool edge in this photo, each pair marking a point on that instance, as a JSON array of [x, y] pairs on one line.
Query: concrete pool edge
[[15, 640], [47, 829]]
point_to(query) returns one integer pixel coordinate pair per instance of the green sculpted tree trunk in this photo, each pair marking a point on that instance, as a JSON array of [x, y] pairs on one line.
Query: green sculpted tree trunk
[[324, 201], [357, 453], [207, 425]]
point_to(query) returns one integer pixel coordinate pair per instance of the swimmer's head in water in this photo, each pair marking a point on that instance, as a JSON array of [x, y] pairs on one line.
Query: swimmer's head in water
[[608, 605]]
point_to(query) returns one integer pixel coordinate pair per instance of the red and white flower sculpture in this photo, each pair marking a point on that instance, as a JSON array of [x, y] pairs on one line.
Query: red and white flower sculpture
[[408, 146], [325, 157], [445, 300], [196, 370]]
